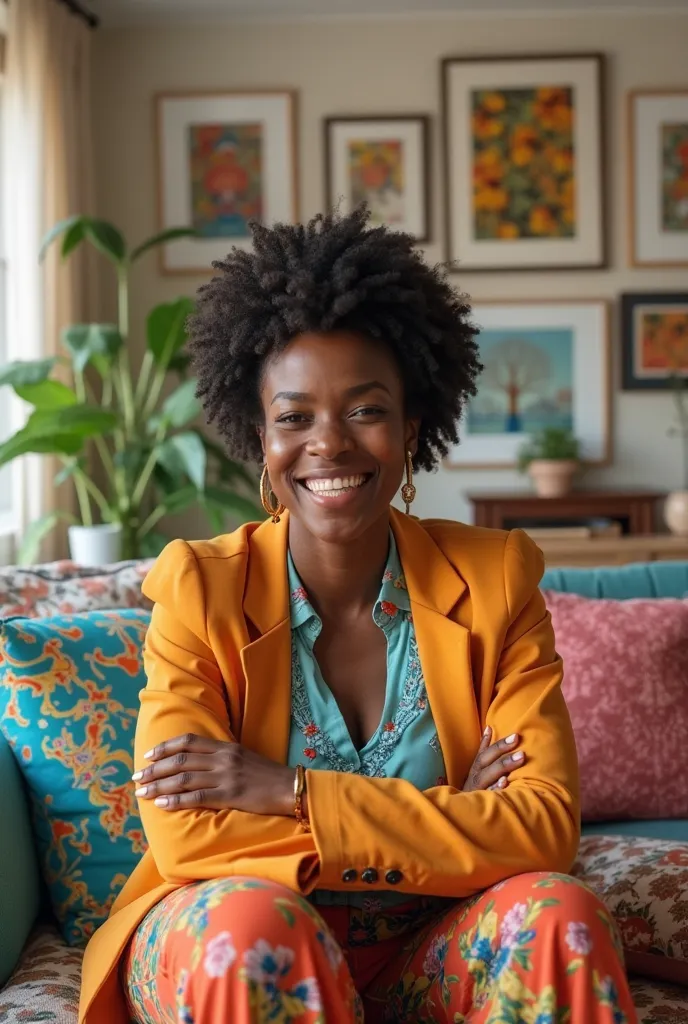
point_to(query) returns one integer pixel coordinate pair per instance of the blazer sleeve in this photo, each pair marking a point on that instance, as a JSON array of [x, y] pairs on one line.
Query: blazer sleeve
[[185, 693], [452, 843]]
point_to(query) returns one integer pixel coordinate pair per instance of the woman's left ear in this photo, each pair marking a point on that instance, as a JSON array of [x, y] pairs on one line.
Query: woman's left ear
[[261, 434], [411, 438]]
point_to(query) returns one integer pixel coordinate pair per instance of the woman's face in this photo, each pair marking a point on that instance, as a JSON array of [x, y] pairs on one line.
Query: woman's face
[[335, 434]]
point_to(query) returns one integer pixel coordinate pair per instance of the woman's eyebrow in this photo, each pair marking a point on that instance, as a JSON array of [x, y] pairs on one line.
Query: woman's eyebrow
[[352, 392]]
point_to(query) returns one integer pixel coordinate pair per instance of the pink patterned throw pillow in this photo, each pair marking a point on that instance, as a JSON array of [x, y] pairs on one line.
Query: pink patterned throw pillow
[[626, 686]]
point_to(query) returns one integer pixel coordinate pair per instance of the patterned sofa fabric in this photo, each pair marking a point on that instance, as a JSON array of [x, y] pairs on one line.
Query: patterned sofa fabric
[[45, 984], [644, 883], [58, 588]]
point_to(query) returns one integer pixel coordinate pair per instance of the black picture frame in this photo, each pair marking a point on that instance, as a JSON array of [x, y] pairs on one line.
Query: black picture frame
[[630, 302]]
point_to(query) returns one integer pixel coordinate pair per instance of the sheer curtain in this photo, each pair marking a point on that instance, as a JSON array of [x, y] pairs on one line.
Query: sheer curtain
[[48, 176]]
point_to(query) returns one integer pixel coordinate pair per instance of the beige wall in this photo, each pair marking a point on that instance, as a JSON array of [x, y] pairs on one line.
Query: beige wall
[[386, 66]]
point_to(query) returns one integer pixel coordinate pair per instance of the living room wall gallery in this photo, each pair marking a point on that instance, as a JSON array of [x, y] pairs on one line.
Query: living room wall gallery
[[522, 141]]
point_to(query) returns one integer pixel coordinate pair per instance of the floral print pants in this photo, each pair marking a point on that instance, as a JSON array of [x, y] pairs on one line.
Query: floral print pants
[[535, 949]]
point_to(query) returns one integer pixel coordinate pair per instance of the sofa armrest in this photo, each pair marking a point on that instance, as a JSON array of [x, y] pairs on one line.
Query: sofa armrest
[[19, 877]]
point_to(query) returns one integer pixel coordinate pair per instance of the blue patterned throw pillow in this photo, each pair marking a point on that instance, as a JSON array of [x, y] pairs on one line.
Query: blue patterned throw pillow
[[69, 689]]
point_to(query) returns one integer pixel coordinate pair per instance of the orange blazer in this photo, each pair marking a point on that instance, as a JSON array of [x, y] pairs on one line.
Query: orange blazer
[[218, 663]]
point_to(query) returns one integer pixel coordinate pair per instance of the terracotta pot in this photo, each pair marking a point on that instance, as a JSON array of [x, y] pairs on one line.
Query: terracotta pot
[[552, 478], [676, 513]]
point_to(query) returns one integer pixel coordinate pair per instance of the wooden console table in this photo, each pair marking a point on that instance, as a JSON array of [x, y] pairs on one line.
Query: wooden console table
[[633, 510], [598, 551]]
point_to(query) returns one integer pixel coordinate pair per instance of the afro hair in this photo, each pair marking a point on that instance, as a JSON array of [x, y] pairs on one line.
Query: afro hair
[[334, 273]]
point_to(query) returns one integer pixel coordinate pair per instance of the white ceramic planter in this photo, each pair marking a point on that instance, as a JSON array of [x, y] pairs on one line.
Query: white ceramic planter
[[552, 478], [96, 545], [676, 513]]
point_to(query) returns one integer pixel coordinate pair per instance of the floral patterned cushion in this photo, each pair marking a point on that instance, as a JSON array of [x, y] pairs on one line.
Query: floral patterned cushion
[[644, 883], [45, 983], [626, 674], [659, 1004], [67, 588], [69, 690]]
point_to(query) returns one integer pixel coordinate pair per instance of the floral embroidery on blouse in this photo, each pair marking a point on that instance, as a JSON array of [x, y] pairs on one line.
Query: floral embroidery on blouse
[[412, 703], [318, 734]]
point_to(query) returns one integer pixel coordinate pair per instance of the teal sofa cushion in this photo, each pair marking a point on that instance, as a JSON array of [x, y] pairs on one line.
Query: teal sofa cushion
[[69, 689], [623, 582], [676, 830], [19, 878]]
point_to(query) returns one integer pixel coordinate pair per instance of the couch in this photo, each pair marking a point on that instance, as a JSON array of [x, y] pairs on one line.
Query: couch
[[619, 859]]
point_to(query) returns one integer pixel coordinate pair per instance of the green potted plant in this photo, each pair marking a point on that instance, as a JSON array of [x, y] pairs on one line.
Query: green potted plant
[[551, 458], [126, 439]]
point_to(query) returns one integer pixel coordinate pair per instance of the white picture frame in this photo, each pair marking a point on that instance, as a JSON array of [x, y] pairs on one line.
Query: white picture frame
[[658, 122], [400, 205], [243, 167], [505, 223], [584, 327]]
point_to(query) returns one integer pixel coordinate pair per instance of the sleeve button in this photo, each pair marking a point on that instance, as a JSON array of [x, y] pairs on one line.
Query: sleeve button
[[369, 876], [393, 877], [350, 875]]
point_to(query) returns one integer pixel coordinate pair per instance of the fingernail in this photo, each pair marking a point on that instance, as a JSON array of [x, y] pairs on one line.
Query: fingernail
[[487, 731], [136, 776], [161, 801], [142, 790], [511, 739], [518, 756], [502, 782], [148, 754]]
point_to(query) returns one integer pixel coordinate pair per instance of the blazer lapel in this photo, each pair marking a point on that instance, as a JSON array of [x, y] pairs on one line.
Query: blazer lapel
[[435, 588], [267, 661]]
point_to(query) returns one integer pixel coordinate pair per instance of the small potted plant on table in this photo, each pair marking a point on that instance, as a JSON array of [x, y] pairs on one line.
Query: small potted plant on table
[[551, 459]]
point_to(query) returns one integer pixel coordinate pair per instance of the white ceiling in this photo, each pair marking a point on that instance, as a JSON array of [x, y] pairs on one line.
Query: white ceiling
[[128, 12]]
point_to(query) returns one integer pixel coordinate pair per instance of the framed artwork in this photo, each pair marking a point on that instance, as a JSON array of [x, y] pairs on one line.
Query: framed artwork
[[524, 171], [546, 364], [658, 133], [382, 161], [224, 159], [654, 338]]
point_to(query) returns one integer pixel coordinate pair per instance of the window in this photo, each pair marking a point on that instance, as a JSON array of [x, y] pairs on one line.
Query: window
[[7, 474]]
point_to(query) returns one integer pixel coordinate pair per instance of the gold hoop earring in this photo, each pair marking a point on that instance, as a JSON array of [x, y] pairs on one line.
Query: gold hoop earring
[[266, 492], [408, 491]]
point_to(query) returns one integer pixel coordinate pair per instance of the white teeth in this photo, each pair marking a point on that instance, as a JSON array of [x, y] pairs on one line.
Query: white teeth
[[332, 488]]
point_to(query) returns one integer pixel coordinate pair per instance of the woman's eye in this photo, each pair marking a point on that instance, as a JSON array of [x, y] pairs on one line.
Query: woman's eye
[[292, 417]]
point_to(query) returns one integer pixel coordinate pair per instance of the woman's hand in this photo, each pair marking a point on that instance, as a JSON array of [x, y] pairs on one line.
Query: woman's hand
[[492, 764], [191, 771]]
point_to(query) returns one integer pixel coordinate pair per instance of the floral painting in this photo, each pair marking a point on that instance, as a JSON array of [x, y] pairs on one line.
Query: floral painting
[[376, 171], [654, 331], [662, 340], [226, 169], [527, 382], [674, 145], [524, 167]]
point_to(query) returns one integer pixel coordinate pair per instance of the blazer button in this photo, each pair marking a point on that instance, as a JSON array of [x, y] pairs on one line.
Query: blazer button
[[350, 875], [393, 877], [369, 875]]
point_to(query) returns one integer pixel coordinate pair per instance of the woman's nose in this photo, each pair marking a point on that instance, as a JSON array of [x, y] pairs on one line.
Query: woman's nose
[[328, 439]]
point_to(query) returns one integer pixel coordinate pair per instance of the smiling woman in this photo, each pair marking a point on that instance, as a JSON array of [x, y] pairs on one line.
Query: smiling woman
[[353, 720]]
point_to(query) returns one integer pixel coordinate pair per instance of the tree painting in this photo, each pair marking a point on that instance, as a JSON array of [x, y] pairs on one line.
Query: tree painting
[[526, 384]]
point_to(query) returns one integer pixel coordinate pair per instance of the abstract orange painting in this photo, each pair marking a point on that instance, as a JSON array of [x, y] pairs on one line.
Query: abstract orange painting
[[376, 170], [524, 163], [226, 170]]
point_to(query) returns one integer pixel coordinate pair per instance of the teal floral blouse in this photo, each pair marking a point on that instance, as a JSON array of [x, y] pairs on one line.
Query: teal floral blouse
[[405, 745]]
